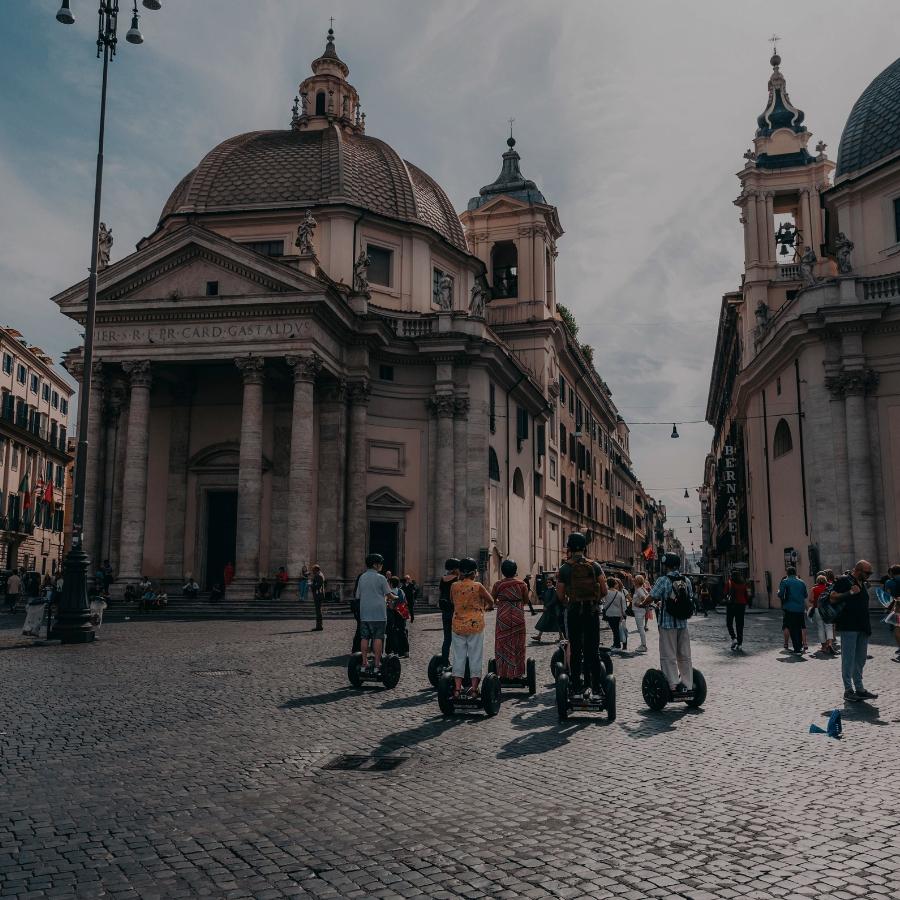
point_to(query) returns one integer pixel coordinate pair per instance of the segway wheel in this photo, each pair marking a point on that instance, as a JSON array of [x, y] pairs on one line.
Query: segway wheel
[[434, 669], [606, 659], [490, 694], [699, 690], [492, 665], [557, 663], [562, 696], [390, 671], [609, 696], [655, 689], [445, 693], [531, 677], [353, 670]]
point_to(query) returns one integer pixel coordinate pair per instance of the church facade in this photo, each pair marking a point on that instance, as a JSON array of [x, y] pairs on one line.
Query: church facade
[[313, 357]]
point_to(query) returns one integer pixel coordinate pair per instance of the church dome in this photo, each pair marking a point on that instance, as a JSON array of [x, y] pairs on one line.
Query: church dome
[[272, 170], [872, 132]]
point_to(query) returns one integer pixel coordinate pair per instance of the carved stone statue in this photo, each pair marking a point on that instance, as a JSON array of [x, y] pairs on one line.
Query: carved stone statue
[[361, 273], [843, 248], [807, 266], [479, 298], [762, 314], [444, 293], [305, 233], [104, 246], [304, 99]]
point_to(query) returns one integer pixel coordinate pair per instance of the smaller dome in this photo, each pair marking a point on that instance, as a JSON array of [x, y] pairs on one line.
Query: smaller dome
[[510, 182], [872, 132]]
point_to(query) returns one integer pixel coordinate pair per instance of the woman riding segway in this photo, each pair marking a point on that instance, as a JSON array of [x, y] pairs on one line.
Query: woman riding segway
[[511, 596]]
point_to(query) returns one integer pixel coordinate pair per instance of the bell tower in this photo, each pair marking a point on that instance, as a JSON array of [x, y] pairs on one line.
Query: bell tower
[[513, 230], [326, 97], [781, 207]]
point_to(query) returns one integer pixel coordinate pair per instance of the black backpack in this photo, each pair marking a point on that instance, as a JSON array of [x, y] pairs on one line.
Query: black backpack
[[679, 604]]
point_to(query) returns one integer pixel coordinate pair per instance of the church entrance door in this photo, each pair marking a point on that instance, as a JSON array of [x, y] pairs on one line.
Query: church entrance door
[[384, 538], [221, 534]]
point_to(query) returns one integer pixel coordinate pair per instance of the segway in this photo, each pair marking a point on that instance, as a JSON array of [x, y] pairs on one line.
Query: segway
[[389, 675], [487, 702], [558, 660], [527, 681], [657, 693], [567, 701], [437, 667]]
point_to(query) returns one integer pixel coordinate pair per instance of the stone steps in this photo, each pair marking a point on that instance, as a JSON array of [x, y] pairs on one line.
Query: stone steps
[[181, 608]]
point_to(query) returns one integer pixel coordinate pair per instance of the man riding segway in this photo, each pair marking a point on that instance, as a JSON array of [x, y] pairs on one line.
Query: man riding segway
[[581, 586]]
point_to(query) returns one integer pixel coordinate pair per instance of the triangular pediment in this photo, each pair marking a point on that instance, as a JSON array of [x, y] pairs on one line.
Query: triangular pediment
[[179, 267], [386, 498], [503, 203]]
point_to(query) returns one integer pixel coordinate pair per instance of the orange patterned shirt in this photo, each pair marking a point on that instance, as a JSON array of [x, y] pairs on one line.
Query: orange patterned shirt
[[470, 600]]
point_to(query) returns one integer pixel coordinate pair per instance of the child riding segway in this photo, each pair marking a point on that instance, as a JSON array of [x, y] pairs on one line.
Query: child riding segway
[[583, 684], [676, 681], [456, 691], [509, 663], [373, 592]]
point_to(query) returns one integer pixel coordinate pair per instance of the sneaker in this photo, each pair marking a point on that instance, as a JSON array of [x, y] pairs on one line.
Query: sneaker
[[740, 648], [734, 645], [851, 695], [866, 695]]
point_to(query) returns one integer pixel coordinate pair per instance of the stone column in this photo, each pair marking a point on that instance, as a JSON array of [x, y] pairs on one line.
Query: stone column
[[134, 498], [246, 564], [751, 229], [93, 485], [839, 556], [769, 229], [176, 491], [300, 478], [332, 469], [356, 514], [460, 479], [444, 407], [762, 231], [114, 435], [859, 464]]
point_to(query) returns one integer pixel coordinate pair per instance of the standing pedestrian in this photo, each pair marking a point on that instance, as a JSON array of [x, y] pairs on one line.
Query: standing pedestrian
[[853, 622], [737, 598], [892, 586], [674, 593], [792, 593], [397, 637], [303, 584], [13, 591], [318, 592], [411, 592], [826, 629], [614, 610], [228, 574], [281, 581], [639, 602]]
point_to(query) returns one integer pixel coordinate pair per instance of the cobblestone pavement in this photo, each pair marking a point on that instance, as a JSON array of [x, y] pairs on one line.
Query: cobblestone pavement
[[131, 769]]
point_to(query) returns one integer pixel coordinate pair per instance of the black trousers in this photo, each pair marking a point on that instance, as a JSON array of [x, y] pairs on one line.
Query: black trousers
[[734, 620], [317, 601], [614, 622], [583, 626], [794, 622], [447, 622]]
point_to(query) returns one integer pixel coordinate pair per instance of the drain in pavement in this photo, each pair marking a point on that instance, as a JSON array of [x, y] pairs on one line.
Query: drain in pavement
[[220, 672], [349, 762]]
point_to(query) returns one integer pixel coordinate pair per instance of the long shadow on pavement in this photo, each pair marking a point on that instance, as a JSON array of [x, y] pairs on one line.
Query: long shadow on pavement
[[411, 737], [659, 722], [332, 661], [542, 741], [322, 699], [423, 696], [859, 712]]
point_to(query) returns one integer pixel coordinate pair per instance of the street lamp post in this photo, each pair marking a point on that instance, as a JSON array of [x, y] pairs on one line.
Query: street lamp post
[[73, 622]]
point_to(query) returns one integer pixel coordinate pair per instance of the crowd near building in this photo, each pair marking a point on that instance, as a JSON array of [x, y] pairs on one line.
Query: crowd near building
[[313, 356], [34, 418], [804, 468]]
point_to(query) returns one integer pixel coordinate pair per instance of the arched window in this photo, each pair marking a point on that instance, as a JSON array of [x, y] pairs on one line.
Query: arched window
[[518, 484], [505, 269], [782, 442], [493, 465], [320, 103]]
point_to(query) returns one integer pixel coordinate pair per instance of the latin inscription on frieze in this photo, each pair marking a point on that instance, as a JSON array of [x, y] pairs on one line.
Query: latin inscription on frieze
[[192, 333]]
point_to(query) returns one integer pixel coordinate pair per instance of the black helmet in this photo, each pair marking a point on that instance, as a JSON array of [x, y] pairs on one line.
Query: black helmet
[[509, 568], [576, 542], [374, 559], [451, 564], [671, 560], [468, 566]]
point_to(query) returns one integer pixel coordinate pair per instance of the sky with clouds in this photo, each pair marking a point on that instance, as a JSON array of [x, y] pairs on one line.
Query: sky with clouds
[[631, 117]]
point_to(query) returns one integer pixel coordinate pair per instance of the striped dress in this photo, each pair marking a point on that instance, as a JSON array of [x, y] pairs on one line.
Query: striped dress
[[511, 595]]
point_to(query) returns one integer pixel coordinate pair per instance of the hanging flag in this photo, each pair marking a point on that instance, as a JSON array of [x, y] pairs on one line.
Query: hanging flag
[[48, 493], [649, 554]]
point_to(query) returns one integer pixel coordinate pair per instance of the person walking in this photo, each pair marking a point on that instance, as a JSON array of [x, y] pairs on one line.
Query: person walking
[[13, 591], [552, 617], [852, 590], [826, 629], [737, 598], [281, 582], [674, 593], [639, 603], [613, 610], [318, 592], [892, 586], [792, 593]]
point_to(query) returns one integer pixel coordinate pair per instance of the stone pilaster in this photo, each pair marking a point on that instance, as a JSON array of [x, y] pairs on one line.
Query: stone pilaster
[[93, 486], [300, 479], [460, 478], [332, 471], [134, 498], [356, 514], [115, 430], [246, 564], [443, 407], [176, 491]]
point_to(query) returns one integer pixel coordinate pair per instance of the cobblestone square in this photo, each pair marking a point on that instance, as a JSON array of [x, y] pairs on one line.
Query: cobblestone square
[[180, 759]]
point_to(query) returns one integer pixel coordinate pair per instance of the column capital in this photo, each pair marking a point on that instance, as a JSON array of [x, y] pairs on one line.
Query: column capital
[[358, 392], [852, 383], [460, 407], [252, 369], [441, 405], [305, 368], [138, 371]]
